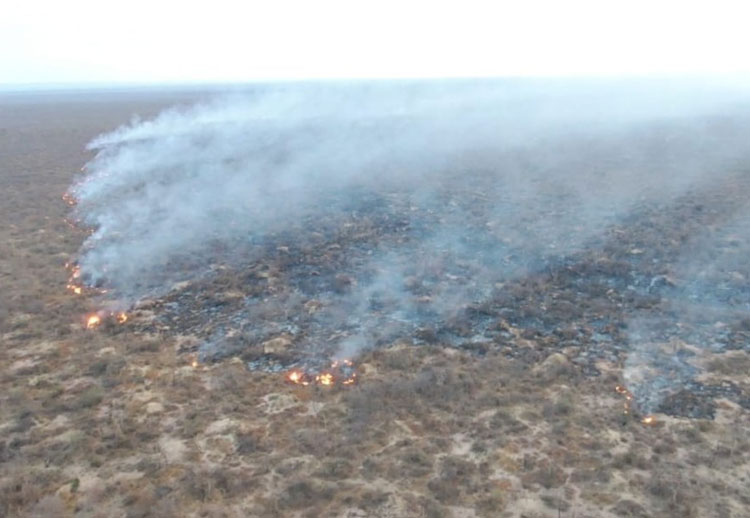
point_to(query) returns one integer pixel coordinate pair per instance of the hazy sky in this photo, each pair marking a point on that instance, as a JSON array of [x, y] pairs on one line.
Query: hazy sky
[[217, 40]]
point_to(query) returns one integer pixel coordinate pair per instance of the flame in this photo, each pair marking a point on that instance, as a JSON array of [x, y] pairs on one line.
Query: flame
[[69, 199], [325, 379], [93, 321], [340, 373], [75, 273], [194, 364], [628, 398], [297, 377], [74, 284], [647, 420], [74, 281]]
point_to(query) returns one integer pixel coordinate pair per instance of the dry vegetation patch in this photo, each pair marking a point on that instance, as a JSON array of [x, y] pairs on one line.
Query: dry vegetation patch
[[120, 423]]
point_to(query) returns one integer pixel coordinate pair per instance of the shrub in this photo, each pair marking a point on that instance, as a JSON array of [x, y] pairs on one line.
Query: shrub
[[305, 493]]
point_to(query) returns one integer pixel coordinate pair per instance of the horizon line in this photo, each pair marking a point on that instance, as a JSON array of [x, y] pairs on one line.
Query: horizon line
[[52, 86]]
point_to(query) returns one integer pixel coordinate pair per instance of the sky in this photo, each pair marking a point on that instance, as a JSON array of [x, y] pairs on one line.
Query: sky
[[90, 41]]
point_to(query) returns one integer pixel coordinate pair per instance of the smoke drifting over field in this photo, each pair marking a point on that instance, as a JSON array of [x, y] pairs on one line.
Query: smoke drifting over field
[[439, 193], [243, 167]]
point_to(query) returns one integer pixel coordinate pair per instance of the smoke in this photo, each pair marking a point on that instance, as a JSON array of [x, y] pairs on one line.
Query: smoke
[[436, 194], [704, 299]]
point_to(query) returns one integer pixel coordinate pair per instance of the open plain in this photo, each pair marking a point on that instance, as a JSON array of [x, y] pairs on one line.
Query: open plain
[[523, 404]]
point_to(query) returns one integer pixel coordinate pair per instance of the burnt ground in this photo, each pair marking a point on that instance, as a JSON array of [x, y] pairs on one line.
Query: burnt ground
[[500, 404], [585, 304]]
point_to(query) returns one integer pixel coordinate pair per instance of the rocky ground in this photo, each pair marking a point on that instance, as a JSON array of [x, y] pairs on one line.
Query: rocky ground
[[505, 405]]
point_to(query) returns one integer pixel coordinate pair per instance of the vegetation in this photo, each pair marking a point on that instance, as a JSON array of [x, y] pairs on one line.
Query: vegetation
[[116, 422]]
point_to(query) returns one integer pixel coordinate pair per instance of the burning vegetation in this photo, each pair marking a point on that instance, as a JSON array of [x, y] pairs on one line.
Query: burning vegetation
[[628, 405], [94, 320], [341, 372], [74, 283], [568, 239], [77, 286], [486, 321]]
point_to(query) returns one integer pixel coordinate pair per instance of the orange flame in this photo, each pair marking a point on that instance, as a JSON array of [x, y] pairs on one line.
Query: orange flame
[[75, 273], [69, 199], [340, 373], [93, 321], [325, 379], [628, 398], [647, 420], [297, 377]]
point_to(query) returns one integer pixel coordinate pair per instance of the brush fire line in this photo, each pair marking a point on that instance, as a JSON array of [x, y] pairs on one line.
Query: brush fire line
[[94, 320], [627, 405], [77, 287], [341, 372]]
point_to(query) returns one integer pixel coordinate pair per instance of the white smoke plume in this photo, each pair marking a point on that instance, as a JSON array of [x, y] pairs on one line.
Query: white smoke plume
[[500, 176]]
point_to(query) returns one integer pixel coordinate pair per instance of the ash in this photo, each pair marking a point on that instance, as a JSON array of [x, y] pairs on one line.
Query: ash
[[387, 267]]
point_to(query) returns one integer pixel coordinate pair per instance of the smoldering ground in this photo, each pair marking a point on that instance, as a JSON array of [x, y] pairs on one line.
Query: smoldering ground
[[350, 215]]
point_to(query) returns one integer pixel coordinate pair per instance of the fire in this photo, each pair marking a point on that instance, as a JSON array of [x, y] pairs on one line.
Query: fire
[[69, 199], [647, 420], [298, 377], [325, 379], [74, 285], [341, 373], [93, 321], [628, 398]]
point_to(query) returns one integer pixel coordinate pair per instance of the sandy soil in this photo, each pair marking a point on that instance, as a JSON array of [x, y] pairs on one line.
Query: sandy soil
[[120, 422]]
